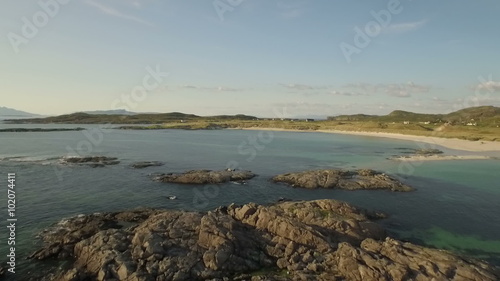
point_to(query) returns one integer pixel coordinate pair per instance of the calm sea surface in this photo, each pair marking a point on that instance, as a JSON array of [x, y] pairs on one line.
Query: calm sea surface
[[455, 207]]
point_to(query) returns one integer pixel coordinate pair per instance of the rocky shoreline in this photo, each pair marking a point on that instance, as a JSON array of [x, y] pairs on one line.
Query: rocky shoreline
[[305, 240], [26, 130]]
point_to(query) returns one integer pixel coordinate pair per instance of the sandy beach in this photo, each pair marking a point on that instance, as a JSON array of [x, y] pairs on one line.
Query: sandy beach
[[465, 145]]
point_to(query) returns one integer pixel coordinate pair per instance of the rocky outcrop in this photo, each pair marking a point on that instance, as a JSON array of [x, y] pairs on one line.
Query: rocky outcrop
[[428, 151], [27, 130], [145, 164], [316, 240], [205, 176], [342, 179], [92, 161]]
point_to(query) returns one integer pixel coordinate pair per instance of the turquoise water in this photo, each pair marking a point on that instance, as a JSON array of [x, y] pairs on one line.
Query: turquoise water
[[455, 206]]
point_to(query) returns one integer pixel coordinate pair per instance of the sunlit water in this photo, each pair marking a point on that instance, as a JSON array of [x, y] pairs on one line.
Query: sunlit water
[[456, 204]]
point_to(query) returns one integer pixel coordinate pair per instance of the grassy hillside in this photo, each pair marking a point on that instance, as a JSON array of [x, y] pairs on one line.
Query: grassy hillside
[[483, 116], [154, 118], [452, 125]]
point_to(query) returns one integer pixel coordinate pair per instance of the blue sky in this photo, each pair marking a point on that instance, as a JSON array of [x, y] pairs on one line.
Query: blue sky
[[262, 57]]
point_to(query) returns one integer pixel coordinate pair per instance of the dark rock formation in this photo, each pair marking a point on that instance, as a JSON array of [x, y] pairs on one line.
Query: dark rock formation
[[316, 240], [92, 161], [428, 151], [342, 179], [145, 164], [205, 176], [26, 130]]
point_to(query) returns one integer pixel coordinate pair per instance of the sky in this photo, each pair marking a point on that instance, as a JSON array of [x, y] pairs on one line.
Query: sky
[[267, 58]]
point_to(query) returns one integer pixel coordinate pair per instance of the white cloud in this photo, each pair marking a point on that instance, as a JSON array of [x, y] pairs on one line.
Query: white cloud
[[400, 90], [348, 94], [301, 87], [217, 88], [115, 13], [405, 26], [490, 86]]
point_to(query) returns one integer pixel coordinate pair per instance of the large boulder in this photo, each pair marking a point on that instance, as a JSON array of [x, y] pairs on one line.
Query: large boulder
[[342, 179]]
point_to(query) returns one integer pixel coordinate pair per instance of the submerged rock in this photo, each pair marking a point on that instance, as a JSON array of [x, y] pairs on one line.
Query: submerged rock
[[342, 179], [315, 240], [145, 164], [206, 177], [428, 151], [92, 161]]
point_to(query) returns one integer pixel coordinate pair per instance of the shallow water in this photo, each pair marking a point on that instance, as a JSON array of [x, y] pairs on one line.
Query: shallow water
[[455, 205]]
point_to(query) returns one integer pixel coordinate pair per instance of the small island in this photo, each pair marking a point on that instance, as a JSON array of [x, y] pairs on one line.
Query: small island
[[342, 179], [205, 177]]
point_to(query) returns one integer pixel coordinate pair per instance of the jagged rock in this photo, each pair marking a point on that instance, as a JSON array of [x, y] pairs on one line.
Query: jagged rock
[[145, 164], [312, 240], [342, 179], [92, 161], [205, 176]]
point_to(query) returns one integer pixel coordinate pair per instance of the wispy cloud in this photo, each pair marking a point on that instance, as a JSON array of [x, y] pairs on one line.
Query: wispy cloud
[[115, 13], [490, 86], [347, 94], [216, 89], [301, 87], [405, 26], [400, 90], [291, 9]]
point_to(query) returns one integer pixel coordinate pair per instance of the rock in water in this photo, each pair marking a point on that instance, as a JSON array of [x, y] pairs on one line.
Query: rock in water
[[314, 240], [342, 179], [205, 176], [145, 164], [92, 161]]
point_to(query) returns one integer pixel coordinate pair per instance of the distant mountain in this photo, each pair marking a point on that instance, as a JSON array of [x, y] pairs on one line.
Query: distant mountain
[[111, 112], [10, 112], [487, 115]]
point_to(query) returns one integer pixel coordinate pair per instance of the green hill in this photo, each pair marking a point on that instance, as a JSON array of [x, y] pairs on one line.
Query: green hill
[[481, 115], [145, 118]]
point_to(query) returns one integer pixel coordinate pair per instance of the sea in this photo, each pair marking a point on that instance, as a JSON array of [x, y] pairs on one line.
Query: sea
[[455, 206]]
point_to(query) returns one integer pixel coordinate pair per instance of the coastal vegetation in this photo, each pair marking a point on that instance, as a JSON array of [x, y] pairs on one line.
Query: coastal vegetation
[[475, 123]]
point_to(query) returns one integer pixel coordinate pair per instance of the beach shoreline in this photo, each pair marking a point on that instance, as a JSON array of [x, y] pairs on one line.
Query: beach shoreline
[[452, 143]]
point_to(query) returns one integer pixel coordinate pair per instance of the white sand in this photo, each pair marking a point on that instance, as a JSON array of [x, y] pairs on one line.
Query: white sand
[[441, 157], [445, 142]]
